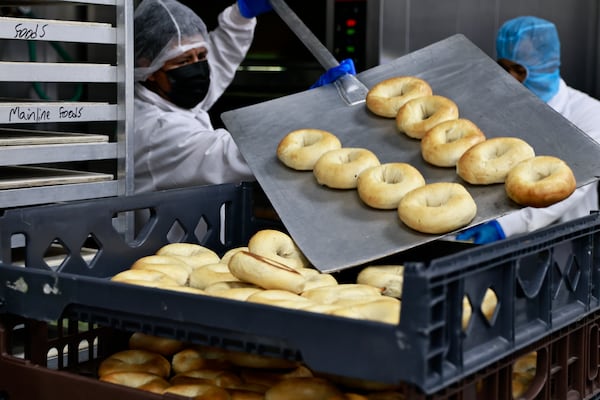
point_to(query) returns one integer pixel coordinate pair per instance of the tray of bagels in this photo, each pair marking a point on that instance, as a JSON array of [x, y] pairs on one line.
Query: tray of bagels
[[431, 315], [434, 149]]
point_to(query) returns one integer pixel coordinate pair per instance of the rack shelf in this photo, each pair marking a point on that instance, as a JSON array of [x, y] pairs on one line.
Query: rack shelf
[[68, 150]]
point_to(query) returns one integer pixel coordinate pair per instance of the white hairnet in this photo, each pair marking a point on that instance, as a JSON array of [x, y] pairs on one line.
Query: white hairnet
[[164, 29], [532, 42]]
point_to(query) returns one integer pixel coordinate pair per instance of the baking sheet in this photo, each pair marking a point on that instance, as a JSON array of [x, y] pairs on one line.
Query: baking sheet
[[334, 228], [25, 137], [20, 177]]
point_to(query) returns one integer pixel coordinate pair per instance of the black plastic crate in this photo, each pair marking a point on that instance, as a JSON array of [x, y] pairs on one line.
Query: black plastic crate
[[544, 282]]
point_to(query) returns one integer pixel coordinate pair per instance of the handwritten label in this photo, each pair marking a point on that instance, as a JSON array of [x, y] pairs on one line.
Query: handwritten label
[[39, 114], [30, 31]]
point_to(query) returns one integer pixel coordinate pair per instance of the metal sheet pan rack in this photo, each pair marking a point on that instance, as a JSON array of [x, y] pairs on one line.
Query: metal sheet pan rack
[[83, 138]]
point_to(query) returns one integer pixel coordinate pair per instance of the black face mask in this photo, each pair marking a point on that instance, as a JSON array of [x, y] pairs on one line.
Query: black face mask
[[189, 84]]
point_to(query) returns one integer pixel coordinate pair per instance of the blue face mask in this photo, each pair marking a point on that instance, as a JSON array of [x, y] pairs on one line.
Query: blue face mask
[[189, 84]]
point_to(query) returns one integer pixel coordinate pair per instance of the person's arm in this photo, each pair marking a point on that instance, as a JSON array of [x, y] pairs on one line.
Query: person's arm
[[228, 45], [528, 219]]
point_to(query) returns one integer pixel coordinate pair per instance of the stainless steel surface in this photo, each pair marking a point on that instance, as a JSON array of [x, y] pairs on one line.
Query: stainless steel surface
[[332, 227], [351, 89]]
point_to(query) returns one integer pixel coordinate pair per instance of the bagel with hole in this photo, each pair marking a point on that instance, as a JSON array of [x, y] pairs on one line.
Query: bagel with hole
[[300, 149], [278, 246], [540, 181], [436, 208], [383, 186], [445, 143], [488, 162], [420, 115], [339, 169], [386, 97]]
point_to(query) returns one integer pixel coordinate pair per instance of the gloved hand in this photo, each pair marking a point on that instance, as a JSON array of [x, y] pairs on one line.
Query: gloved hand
[[332, 74], [252, 8], [481, 234]]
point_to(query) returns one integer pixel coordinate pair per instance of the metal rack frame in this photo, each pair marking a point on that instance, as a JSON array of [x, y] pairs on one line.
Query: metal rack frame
[[15, 114]]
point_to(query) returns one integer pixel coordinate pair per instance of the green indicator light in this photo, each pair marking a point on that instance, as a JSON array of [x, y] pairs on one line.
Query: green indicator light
[[350, 49], [350, 32]]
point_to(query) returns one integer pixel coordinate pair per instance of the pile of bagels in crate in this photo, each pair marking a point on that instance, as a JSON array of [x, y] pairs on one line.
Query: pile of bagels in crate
[[447, 140], [164, 365], [272, 270]]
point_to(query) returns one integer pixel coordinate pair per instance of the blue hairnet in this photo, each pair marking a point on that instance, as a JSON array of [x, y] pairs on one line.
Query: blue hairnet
[[532, 42], [164, 29]]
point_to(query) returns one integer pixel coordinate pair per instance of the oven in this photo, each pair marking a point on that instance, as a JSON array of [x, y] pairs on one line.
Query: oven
[[279, 64]]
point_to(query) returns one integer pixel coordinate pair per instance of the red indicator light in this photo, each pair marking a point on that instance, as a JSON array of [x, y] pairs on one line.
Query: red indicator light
[[350, 23]]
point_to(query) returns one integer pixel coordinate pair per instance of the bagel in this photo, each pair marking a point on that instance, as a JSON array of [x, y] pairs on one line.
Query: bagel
[[277, 246], [191, 254], [135, 361], [339, 169], [437, 208], [445, 143], [488, 162], [319, 280], [300, 149], [279, 298], [384, 309], [144, 277], [194, 358], [345, 291], [240, 294], [384, 185], [420, 115], [265, 272], [156, 344], [310, 388], [540, 181], [388, 278], [139, 380], [208, 274], [386, 97], [170, 266], [229, 253]]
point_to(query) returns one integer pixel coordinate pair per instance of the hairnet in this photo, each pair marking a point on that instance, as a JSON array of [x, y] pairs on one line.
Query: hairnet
[[532, 42], [164, 29]]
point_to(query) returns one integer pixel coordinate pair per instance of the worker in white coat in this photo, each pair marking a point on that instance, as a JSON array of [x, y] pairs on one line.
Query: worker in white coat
[[181, 70], [529, 49]]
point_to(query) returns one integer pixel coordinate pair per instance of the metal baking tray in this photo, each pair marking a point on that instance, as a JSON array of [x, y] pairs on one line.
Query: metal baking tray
[[333, 227]]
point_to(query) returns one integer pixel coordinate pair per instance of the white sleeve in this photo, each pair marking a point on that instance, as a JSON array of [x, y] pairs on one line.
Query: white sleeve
[[579, 204], [228, 45]]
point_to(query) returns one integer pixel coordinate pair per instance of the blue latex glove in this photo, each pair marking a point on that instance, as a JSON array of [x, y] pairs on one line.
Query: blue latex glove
[[332, 74], [252, 8], [481, 234]]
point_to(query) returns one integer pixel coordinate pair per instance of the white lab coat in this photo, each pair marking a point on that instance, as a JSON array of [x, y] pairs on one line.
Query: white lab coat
[[584, 112], [175, 147]]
